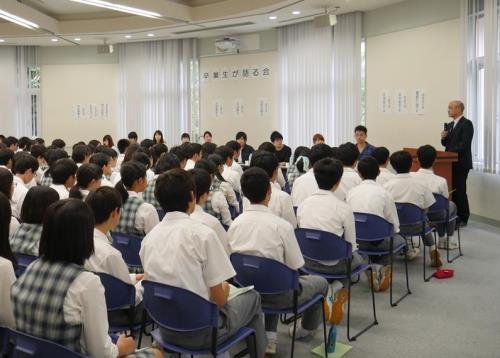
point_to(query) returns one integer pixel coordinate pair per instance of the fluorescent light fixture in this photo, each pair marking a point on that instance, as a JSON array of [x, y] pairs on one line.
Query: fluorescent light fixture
[[151, 35], [54, 40], [117, 7], [18, 20], [296, 12], [128, 36], [273, 17], [2, 40], [77, 39]]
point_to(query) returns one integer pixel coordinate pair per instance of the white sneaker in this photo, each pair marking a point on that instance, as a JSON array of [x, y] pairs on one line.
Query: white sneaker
[[271, 345], [300, 332], [412, 253], [442, 244]]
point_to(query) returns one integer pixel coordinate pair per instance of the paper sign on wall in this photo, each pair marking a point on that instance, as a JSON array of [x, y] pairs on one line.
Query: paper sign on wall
[[218, 109], [419, 101], [91, 111], [385, 99], [238, 107], [263, 107], [400, 101]]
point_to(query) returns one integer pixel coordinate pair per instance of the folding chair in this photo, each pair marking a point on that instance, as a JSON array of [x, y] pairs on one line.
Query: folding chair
[[129, 246], [23, 261], [4, 341], [325, 246], [180, 310], [373, 228], [270, 277], [442, 205], [411, 215], [25, 345]]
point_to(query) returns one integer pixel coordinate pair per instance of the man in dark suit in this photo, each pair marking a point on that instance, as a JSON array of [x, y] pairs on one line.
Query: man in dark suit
[[457, 137]]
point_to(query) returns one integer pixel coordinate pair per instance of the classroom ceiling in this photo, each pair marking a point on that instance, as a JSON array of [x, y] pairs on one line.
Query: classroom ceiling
[[73, 23]]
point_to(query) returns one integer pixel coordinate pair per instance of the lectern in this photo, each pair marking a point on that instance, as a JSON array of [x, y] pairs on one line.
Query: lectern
[[442, 165]]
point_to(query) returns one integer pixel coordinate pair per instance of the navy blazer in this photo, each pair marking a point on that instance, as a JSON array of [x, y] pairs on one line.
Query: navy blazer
[[460, 141]]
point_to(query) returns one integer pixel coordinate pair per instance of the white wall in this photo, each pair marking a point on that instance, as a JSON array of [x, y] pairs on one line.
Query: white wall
[[7, 90]]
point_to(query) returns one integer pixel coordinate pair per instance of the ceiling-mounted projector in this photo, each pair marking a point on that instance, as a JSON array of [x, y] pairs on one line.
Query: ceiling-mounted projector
[[325, 20], [227, 45]]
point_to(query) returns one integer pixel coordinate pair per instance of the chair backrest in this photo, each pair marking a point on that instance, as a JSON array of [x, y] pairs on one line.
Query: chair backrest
[[161, 214], [442, 204], [266, 275], [23, 261], [129, 246], [409, 214], [4, 340], [178, 309], [26, 346], [322, 245], [119, 295], [370, 227]]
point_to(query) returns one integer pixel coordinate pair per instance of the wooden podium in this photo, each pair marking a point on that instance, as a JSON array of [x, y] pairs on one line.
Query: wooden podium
[[442, 165]]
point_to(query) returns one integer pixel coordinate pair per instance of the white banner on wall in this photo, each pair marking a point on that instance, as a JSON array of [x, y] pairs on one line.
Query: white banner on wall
[[218, 109], [419, 101], [263, 107], [400, 101], [238, 108], [91, 111], [385, 99], [237, 73]]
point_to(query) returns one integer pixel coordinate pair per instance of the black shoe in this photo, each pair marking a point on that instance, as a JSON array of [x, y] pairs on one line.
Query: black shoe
[[462, 224]]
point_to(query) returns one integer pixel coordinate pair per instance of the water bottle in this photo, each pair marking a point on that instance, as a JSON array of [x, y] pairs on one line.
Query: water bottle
[[332, 339]]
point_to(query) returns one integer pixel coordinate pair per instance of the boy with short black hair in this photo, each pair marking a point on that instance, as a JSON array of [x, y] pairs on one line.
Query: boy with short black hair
[[246, 150], [81, 154], [229, 174], [132, 138], [11, 143], [24, 170], [185, 138], [181, 152], [6, 158], [348, 154], [364, 148], [63, 174], [104, 162], [193, 151], [381, 154]]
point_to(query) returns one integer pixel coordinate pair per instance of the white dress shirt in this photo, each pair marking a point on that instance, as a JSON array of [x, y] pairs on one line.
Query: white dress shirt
[[7, 279], [384, 176], [326, 212], [232, 177], [210, 221], [20, 191], [435, 183], [146, 217], [237, 168], [189, 164], [109, 260], [61, 190], [349, 180], [106, 182], [85, 304], [370, 197], [261, 233], [404, 188], [119, 162], [303, 187], [185, 253], [227, 189], [150, 174], [281, 179], [14, 224]]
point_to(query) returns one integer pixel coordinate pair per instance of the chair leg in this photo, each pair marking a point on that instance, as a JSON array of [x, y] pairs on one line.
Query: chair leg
[[324, 326], [375, 322], [293, 338], [427, 278], [408, 291], [448, 247]]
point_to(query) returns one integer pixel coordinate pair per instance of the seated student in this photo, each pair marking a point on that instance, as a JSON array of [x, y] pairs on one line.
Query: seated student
[[207, 137], [122, 147], [24, 144], [107, 141], [203, 181], [24, 169], [235, 146], [166, 162], [370, 197], [58, 143], [181, 153], [7, 265], [306, 185], [26, 238], [283, 152], [219, 183], [11, 143], [7, 188], [184, 253], [364, 148], [6, 158], [185, 138], [261, 233], [299, 164], [113, 154], [132, 138], [88, 178], [426, 157], [53, 155], [158, 137], [280, 203], [230, 175], [156, 151], [63, 173], [137, 217], [81, 154], [269, 147], [404, 188], [67, 304], [145, 159], [381, 154], [103, 161], [348, 155], [207, 149], [246, 150], [40, 154], [193, 154]]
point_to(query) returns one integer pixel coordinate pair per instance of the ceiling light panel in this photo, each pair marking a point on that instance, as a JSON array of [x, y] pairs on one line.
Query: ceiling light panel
[[18, 20], [118, 7]]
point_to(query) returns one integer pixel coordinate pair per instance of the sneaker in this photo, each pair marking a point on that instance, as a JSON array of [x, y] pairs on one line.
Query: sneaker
[[385, 281], [374, 280], [412, 253], [442, 244], [436, 259], [338, 306], [271, 346], [300, 332]]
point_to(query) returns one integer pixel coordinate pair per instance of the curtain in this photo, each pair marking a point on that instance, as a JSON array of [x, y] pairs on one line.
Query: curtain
[[320, 80], [154, 88], [28, 90]]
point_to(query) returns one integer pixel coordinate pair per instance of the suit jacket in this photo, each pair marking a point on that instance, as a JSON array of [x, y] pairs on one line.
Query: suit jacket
[[460, 141]]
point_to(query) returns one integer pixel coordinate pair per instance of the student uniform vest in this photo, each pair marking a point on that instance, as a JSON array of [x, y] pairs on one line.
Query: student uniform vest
[[215, 187], [149, 194], [26, 238], [38, 299], [127, 217], [46, 180]]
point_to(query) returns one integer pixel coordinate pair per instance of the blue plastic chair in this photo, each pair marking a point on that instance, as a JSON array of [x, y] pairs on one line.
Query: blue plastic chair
[[411, 215], [372, 228], [129, 246], [325, 246], [25, 345], [23, 261], [180, 310], [442, 205], [4, 341], [161, 214], [270, 277]]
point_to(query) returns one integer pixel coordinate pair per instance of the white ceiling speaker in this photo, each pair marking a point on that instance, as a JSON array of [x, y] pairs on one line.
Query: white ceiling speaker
[[227, 45], [326, 20]]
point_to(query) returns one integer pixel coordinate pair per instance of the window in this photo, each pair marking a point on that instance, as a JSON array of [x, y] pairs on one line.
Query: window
[[34, 95], [195, 98]]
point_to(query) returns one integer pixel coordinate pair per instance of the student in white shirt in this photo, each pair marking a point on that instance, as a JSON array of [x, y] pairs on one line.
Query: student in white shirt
[[222, 185], [203, 181], [306, 185], [348, 154], [381, 154], [280, 203], [185, 253], [63, 173], [40, 154], [6, 187], [7, 265], [81, 154], [193, 154], [269, 147], [53, 155], [122, 147], [88, 178], [103, 161], [145, 158], [105, 203], [259, 232], [369, 197], [6, 158], [404, 188], [235, 146], [24, 169], [113, 154], [182, 154], [426, 157], [231, 176], [67, 296], [166, 162], [137, 217]]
